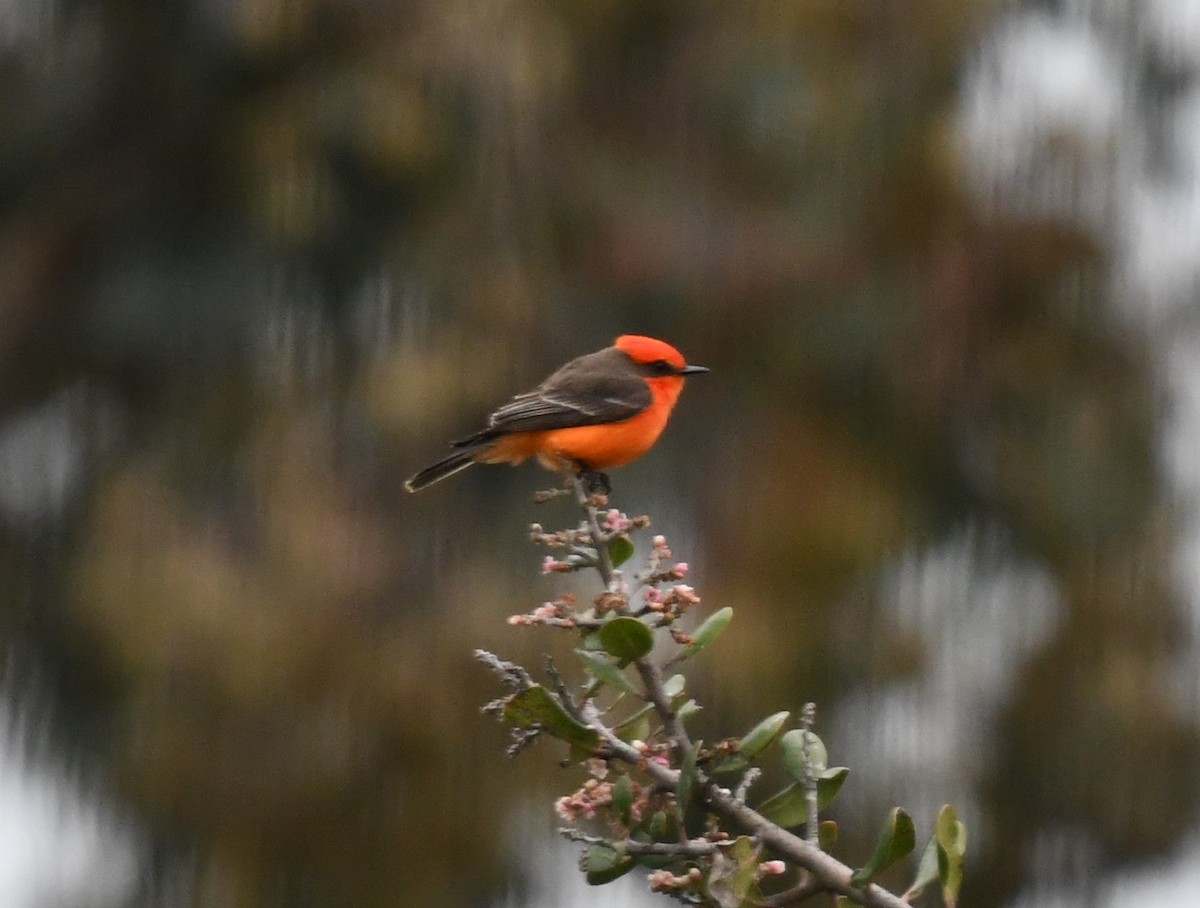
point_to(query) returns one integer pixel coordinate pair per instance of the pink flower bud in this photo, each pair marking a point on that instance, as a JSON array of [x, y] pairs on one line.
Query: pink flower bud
[[562, 807], [772, 867], [660, 880], [683, 593], [680, 569]]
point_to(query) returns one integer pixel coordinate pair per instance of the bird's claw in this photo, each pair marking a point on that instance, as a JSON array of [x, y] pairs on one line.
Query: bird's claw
[[595, 482]]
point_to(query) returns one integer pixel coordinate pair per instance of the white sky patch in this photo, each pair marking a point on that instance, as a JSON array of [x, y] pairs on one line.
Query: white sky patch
[[1051, 126], [980, 614], [1174, 26], [1172, 884], [549, 872], [1161, 234], [57, 847], [1041, 110], [42, 456]]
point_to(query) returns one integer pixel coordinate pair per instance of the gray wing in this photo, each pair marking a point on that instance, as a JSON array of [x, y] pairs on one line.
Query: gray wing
[[600, 387]]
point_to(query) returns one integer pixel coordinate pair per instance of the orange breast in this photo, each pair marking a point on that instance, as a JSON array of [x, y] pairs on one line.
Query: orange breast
[[600, 447], [610, 445]]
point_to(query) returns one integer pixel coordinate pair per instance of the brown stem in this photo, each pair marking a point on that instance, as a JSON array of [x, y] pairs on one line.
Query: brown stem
[[599, 538]]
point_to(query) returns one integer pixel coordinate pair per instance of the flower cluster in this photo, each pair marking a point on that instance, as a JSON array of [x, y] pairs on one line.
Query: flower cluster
[[559, 612], [616, 522], [654, 593], [657, 752], [610, 601], [665, 881], [584, 802], [613, 523], [675, 601], [595, 798], [552, 565]]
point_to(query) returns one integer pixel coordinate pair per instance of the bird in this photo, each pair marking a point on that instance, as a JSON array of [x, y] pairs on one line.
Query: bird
[[598, 411]]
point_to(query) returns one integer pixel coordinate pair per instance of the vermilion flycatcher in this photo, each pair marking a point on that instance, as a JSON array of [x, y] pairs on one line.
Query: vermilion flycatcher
[[599, 411]]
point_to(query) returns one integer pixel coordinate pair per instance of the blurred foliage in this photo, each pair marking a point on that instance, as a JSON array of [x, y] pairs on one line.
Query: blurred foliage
[[278, 251]]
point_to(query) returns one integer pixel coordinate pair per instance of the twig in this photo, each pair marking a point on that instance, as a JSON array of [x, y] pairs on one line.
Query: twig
[[808, 716], [748, 779], [692, 848], [560, 688], [831, 873], [511, 674], [517, 679], [600, 539], [652, 681]]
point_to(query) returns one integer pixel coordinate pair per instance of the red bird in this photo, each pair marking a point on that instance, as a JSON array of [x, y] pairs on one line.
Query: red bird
[[599, 411]]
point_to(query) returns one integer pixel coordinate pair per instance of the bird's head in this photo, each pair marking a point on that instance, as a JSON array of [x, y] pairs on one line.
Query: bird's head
[[658, 359]]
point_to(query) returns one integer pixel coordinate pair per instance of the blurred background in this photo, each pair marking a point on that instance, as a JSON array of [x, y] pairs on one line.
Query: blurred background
[[260, 259]]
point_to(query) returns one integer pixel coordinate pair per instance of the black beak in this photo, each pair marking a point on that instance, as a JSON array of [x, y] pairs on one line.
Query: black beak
[[693, 370]]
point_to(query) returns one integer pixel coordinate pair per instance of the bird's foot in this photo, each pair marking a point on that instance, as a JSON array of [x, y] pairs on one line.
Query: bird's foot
[[595, 482]]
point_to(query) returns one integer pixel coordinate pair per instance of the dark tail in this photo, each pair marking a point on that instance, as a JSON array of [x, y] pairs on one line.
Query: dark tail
[[459, 460]]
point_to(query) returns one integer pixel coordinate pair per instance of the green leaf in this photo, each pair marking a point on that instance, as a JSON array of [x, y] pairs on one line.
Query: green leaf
[[637, 726], [756, 739], [620, 550], [732, 874], [802, 750], [658, 826], [603, 864], [827, 834], [793, 754], [674, 686], [927, 870], [626, 638], [817, 754], [829, 783], [606, 672], [687, 710], [536, 705], [732, 763], [709, 630], [951, 836], [786, 808], [687, 778], [622, 799], [896, 839]]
